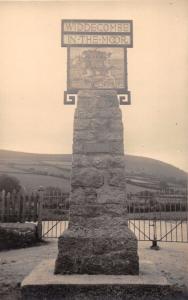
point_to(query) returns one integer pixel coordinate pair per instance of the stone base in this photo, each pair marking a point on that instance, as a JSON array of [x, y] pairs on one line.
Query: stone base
[[97, 252], [43, 284]]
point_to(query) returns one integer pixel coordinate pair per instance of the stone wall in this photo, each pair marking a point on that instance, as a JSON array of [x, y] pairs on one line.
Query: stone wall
[[16, 235]]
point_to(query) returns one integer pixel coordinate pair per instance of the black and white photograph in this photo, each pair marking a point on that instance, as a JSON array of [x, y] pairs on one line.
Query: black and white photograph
[[94, 150]]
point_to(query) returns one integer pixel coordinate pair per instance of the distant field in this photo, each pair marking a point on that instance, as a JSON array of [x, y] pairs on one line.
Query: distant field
[[34, 170], [136, 189], [32, 182]]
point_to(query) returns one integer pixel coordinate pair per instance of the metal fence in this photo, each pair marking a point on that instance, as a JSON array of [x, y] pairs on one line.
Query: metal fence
[[159, 217], [19, 207], [155, 217], [22, 207]]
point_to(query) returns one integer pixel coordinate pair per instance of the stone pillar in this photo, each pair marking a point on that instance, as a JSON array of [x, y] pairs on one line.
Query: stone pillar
[[98, 240]]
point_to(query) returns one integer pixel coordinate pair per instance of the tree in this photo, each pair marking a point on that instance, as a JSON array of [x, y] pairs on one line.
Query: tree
[[9, 183]]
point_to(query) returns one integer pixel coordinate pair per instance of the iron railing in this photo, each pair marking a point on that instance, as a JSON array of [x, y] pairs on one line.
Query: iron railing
[[155, 217]]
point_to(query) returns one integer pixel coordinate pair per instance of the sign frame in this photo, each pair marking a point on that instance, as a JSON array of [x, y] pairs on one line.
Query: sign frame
[[71, 90], [123, 94], [130, 34]]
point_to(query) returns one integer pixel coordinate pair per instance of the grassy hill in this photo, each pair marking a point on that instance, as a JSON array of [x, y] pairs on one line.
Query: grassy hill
[[34, 170]]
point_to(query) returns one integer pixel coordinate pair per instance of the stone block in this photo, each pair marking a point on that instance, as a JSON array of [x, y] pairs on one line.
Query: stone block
[[84, 135], [116, 177], [83, 196], [116, 161], [85, 124], [96, 223], [94, 210], [117, 147], [113, 113], [96, 252], [15, 235], [98, 160], [42, 284], [78, 147], [111, 194], [87, 177], [98, 136], [81, 160], [90, 100], [103, 195]]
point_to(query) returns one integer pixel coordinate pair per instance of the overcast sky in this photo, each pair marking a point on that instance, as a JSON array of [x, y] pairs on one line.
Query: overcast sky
[[33, 76]]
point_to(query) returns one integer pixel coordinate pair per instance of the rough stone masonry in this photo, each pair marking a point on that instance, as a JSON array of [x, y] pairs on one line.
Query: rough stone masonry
[[98, 240]]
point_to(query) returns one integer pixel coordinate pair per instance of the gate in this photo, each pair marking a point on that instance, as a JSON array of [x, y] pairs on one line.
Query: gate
[[159, 217], [55, 213], [155, 217], [53, 229]]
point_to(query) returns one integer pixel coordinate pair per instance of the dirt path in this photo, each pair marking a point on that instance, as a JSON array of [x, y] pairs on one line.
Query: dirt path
[[171, 260]]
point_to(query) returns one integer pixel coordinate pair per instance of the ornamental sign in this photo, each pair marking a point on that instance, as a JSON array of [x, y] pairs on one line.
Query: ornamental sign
[[97, 56], [100, 33], [96, 68]]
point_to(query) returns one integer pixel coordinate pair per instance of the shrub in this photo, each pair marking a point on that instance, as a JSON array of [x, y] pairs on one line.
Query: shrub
[[9, 183]]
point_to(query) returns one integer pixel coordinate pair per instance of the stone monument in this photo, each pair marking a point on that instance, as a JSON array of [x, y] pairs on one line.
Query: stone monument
[[97, 254], [98, 240]]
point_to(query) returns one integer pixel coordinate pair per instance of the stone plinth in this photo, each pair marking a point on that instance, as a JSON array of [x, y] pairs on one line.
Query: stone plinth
[[98, 240], [43, 284]]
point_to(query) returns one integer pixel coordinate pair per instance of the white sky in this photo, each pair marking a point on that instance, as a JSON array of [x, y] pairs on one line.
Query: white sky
[[33, 76]]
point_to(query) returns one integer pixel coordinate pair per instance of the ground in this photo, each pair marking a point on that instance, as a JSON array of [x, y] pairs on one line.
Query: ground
[[171, 260]]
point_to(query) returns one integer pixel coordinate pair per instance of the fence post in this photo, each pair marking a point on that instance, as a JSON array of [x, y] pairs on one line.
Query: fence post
[[23, 196], [154, 245], [3, 206], [19, 199], [8, 207], [14, 206], [40, 207], [29, 213], [35, 208]]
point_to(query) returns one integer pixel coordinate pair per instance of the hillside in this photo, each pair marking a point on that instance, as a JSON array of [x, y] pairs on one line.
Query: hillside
[[7, 154], [34, 170]]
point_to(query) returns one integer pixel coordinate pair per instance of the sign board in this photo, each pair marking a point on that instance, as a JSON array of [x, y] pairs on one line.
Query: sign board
[[97, 56], [96, 68], [100, 33]]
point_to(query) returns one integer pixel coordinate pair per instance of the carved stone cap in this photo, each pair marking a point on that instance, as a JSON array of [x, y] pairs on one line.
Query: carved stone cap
[[89, 100]]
